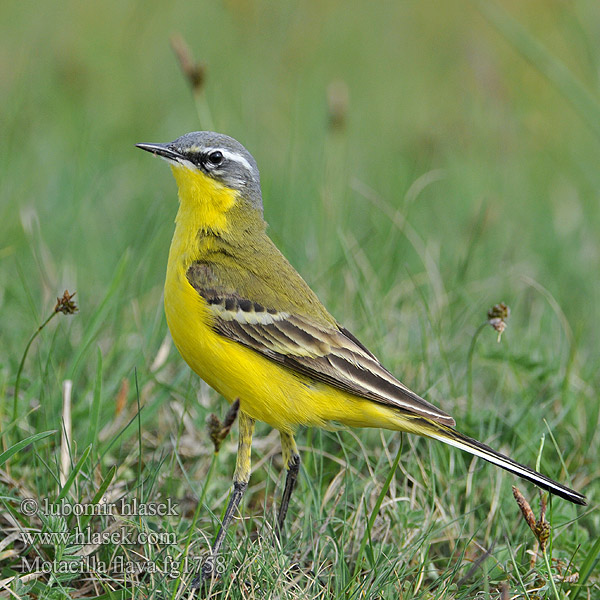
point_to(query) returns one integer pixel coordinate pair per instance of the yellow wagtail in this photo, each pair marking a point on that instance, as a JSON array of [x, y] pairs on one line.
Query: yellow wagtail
[[249, 325]]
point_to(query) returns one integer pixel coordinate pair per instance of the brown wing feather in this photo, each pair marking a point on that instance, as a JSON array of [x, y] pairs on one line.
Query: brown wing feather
[[327, 354]]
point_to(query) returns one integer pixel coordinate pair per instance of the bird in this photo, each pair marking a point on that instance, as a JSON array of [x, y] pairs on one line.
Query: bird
[[250, 326]]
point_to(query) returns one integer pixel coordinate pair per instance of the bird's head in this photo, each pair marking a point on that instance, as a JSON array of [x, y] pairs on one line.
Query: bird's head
[[211, 168]]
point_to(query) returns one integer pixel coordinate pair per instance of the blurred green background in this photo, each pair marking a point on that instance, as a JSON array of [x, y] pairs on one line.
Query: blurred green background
[[460, 177], [430, 87]]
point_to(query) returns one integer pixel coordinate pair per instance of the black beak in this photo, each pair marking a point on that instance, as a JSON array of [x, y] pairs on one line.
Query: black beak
[[161, 150]]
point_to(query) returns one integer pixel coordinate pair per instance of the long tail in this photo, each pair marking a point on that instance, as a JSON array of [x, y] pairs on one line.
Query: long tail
[[450, 436]]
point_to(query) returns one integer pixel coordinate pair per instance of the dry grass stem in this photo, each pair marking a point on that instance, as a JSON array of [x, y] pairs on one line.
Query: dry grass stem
[[66, 441]]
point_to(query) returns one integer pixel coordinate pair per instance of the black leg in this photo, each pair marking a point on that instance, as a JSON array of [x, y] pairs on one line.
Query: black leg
[[291, 459], [239, 487], [240, 484]]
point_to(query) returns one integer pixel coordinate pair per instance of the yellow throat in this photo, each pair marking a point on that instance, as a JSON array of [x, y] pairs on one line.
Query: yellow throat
[[203, 207]]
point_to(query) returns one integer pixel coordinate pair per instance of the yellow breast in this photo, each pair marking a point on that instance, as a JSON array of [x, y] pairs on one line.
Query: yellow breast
[[266, 391]]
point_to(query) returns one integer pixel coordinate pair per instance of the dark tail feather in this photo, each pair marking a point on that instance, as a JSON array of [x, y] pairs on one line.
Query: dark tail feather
[[455, 438]]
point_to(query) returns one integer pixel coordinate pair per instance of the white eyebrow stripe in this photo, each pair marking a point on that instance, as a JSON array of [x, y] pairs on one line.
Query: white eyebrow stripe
[[232, 156]]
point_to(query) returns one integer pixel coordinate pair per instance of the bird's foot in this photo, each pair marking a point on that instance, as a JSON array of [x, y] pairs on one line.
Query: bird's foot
[[207, 574], [218, 430]]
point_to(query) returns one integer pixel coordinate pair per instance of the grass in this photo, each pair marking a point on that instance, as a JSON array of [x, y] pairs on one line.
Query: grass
[[460, 171]]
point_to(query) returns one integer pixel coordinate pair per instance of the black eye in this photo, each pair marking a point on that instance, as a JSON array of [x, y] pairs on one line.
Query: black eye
[[215, 158]]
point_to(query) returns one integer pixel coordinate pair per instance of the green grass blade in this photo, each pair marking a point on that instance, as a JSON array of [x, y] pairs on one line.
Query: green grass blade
[[20, 445], [95, 408], [73, 474], [588, 567], [367, 534], [98, 495]]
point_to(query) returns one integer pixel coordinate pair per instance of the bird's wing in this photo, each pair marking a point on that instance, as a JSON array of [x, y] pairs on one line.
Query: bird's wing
[[325, 353]]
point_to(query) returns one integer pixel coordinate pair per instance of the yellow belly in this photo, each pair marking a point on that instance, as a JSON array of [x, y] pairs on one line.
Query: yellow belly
[[267, 391]]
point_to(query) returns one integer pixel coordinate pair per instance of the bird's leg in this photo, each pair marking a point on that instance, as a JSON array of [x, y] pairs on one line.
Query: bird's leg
[[291, 460], [240, 483]]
